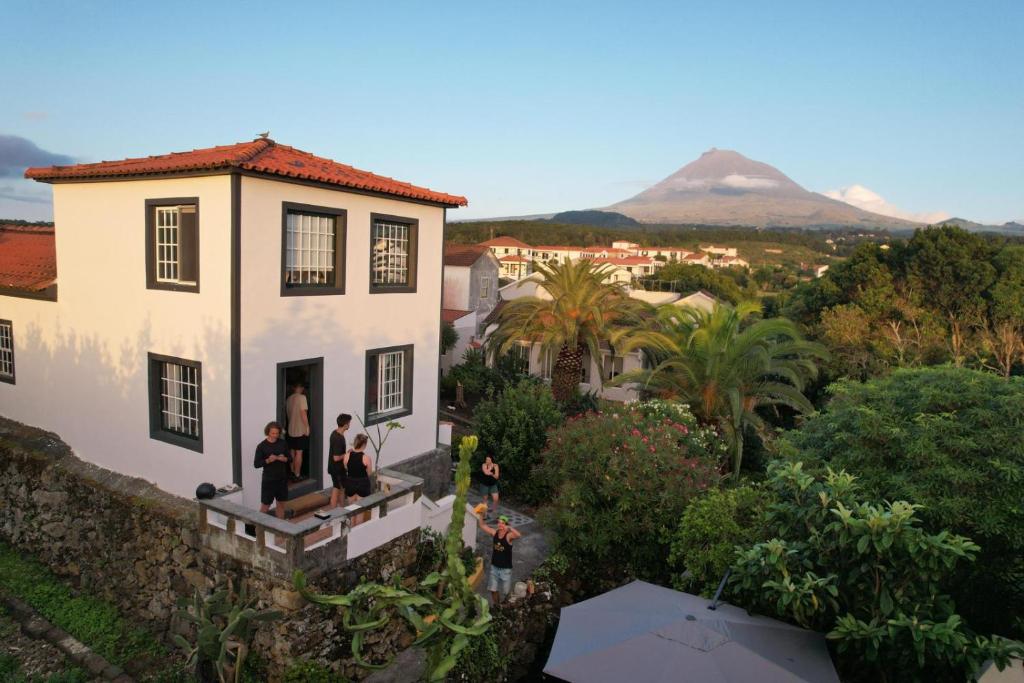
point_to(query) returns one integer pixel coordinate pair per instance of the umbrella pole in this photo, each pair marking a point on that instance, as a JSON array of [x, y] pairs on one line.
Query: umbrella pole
[[718, 592]]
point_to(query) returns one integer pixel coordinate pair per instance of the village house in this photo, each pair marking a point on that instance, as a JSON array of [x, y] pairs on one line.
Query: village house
[[159, 327], [596, 371], [470, 294]]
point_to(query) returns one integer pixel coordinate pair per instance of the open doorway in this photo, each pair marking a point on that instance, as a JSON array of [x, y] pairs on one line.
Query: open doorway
[[307, 374]]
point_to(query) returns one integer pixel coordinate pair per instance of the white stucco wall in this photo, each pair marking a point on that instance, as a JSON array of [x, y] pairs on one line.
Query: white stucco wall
[[339, 328], [457, 288], [81, 363]]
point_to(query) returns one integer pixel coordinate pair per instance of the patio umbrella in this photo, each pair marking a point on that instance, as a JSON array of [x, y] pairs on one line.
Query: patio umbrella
[[642, 633]]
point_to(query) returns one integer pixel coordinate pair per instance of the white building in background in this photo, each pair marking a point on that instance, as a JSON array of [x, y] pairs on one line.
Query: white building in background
[[194, 288], [595, 371], [471, 274]]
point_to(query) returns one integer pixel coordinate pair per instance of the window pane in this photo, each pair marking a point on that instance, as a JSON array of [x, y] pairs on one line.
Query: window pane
[[179, 398], [6, 350], [310, 249], [390, 253]]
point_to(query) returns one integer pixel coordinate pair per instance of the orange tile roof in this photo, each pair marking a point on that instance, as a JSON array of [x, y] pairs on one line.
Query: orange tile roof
[[506, 242], [512, 258], [28, 258], [463, 254], [262, 156], [450, 315], [624, 260]]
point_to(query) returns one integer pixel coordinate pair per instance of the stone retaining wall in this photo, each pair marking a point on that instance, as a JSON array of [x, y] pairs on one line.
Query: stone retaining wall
[[433, 467], [126, 541]]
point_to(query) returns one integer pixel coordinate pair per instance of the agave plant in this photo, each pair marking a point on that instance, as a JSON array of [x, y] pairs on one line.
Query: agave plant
[[443, 609], [225, 625]]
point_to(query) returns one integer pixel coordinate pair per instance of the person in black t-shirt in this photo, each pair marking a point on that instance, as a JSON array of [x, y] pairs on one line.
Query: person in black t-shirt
[[357, 469], [335, 455], [499, 583], [273, 457]]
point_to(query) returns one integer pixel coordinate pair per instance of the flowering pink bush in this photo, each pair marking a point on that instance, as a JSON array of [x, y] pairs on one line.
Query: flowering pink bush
[[618, 479]]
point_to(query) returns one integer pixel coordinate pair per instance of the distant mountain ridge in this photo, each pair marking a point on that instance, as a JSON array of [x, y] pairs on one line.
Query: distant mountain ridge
[[723, 187], [1013, 227]]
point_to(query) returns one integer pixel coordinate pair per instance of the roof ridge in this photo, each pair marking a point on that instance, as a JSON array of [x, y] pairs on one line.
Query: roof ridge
[[258, 151]]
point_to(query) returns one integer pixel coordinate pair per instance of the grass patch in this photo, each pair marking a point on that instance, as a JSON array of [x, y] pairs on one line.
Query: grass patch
[[92, 621]]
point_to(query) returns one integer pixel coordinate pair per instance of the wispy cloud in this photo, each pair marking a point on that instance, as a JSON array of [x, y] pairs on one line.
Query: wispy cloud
[[868, 200], [35, 116], [748, 182], [18, 153], [25, 191]]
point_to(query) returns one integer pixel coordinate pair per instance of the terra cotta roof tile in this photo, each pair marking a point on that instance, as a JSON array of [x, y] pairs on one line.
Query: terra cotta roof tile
[[463, 254], [262, 156], [28, 258]]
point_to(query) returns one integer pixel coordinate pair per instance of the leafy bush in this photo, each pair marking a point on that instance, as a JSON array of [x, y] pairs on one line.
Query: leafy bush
[[581, 402], [948, 439], [90, 620], [620, 478], [868, 574], [713, 525], [477, 379], [482, 660], [431, 556], [513, 429]]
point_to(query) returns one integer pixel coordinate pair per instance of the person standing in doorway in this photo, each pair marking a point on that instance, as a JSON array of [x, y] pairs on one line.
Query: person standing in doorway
[[489, 484], [273, 456], [499, 583], [336, 457], [298, 427]]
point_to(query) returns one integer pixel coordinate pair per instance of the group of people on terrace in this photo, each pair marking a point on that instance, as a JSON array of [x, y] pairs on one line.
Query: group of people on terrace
[[280, 458]]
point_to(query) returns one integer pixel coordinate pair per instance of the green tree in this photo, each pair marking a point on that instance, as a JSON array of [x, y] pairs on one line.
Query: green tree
[[1003, 336], [725, 364], [954, 267], [618, 479], [868, 574], [449, 337], [688, 278], [713, 525], [577, 311], [949, 439], [513, 428]]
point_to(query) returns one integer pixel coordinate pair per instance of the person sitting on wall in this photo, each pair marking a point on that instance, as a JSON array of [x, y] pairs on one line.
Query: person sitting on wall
[[297, 408], [335, 459], [273, 457], [357, 471]]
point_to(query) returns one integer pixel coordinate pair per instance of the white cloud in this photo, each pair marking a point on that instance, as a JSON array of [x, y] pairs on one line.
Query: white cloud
[[748, 182], [863, 198]]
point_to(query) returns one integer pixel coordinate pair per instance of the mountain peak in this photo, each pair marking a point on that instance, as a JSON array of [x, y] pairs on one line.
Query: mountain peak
[[723, 187]]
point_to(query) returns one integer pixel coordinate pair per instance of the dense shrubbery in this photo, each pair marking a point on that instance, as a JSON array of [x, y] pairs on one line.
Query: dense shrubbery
[[478, 380], [713, 525], [513, 429], [868, 574], [617, 479], [950, 440]]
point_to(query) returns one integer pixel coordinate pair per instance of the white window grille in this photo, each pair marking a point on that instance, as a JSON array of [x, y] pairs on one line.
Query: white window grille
[[521, 353], [310, 249], [390, 253], [6, 350], [179, 398], [613, 366], [167, 243], [390, 381], [485, 287]]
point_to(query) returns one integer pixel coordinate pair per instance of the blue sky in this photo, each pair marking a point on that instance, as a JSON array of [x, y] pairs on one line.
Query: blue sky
[[535, 107]]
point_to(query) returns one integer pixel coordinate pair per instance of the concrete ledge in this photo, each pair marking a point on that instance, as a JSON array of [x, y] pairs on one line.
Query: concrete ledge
[[36, 626]]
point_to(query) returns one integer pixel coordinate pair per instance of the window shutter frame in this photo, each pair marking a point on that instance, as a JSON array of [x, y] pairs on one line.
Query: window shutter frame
[[188, 244]]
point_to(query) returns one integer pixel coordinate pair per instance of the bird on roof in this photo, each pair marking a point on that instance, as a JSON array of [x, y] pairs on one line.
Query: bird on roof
[[263, 135]]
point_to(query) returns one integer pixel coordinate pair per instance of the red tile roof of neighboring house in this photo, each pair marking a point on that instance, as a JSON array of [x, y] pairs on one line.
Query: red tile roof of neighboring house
[[450, 315], [513, 258], [695, 257], [463, 254], [506, 242], [262, 156], [28, 258], [549, 247]]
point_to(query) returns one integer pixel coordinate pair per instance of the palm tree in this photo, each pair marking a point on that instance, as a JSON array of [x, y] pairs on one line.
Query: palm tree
[[576, 311], [725, 365]]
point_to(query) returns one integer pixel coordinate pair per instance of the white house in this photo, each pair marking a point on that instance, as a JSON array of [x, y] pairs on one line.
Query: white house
[[195, 288], [470, 294]]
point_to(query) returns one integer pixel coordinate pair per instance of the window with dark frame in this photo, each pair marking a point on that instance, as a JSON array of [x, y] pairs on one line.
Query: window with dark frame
[[6, 351], [393, 243], [485, 287], [313, 250], [172, 244], [175, 397], [388, 383]]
